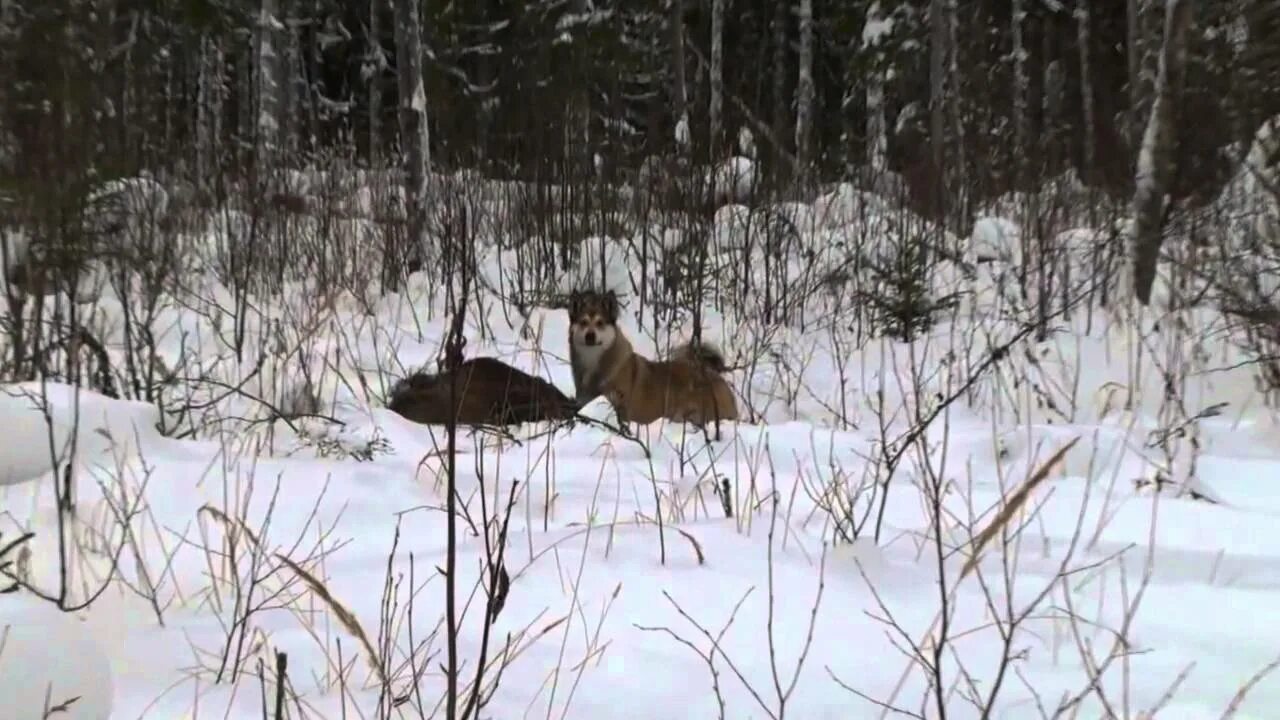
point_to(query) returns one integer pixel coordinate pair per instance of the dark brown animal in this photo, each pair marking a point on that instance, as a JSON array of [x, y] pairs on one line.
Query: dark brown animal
[[488, 392]]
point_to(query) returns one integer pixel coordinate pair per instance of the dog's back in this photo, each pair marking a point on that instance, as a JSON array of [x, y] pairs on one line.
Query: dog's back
[[488, 392], [685, 387], [698, 368], [700, 353]]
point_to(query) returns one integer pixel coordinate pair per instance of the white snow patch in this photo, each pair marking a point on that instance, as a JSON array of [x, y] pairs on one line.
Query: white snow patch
[[47, 659], [734, 180], [584, 554]]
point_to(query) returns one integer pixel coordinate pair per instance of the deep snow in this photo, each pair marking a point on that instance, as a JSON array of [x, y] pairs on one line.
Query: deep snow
[[599, 589]]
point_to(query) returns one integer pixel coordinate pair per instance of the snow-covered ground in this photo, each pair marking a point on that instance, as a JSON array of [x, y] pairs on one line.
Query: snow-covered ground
[[637, 587]]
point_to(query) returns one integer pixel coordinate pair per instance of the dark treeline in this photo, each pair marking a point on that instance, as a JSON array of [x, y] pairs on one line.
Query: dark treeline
[[1002, 93]]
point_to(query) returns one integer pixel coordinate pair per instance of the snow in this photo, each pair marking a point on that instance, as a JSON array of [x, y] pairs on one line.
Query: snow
[[37, 644], [605, 603], [746, 142], [127, 200], [419, 101], [14, 250], [682, 131], [734, 180], [877, 27], [572, 21]]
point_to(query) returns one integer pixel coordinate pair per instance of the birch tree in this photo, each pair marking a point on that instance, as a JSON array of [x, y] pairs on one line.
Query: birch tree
[[1084, 39], [1139, 60], [876, 27], [294, 93], [781, 100], [1021, 91], [7, 142], [680, 91], [374, 65], [1156, 159], [938, 40], [414, 139], [955, 106], [269, 86], [578, 130], [209, 103], [716, 77], [804, 87]]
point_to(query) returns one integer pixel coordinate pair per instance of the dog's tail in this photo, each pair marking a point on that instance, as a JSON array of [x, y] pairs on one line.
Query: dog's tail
[[702, 353]]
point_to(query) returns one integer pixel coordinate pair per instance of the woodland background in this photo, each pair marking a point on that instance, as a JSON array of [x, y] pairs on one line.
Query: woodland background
[[252, 217], [965, 100]]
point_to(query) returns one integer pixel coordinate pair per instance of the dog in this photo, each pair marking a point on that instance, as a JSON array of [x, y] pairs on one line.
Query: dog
[[488, 392], [688, 386]]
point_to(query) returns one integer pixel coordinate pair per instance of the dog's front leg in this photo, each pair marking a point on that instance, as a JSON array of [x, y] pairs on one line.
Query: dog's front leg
[[624, 423], [619, 403]]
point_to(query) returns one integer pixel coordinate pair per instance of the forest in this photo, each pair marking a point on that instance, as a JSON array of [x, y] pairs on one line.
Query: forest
[[964, 100], [366, 358]]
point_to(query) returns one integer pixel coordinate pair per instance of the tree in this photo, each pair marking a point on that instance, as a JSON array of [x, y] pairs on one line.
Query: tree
[[375, 65], [270, 87], [938, 67], [804, 86], [414, 143], [716, 108], [1156, 158], [680, 91], [1084, 39], [1021, 91]]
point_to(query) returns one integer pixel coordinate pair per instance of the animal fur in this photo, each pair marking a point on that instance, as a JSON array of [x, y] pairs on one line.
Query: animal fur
[[488, 392], [686, 387]]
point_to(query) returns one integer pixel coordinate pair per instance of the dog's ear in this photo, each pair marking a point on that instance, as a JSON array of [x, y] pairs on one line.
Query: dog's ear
[[610, 303], [575, 303]]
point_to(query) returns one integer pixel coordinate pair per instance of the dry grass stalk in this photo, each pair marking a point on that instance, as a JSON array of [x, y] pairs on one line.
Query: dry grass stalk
[[1011, 508], [345, 617], [697, 546], [1238, 699], [693, 542], [231, 523]]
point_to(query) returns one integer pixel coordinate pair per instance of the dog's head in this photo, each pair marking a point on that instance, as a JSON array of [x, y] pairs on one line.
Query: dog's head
[[593, 318]]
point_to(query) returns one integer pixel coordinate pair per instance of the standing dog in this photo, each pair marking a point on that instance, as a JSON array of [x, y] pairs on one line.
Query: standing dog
[[687, 387]]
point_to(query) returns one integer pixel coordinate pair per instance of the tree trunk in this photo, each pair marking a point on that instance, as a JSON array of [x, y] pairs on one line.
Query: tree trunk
[[717, 79], [1133, 57], [1021, 93], [208, 111], [959, 219], [414, 143], [1142, 63], [6, 141], [578, 151], [373, 69], [680, 91], [804, 88], [293, 87], [267, 124], [313, 86], [1156, 158], [873, 31], [781, 100], [938, 36], [1084, 37]]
